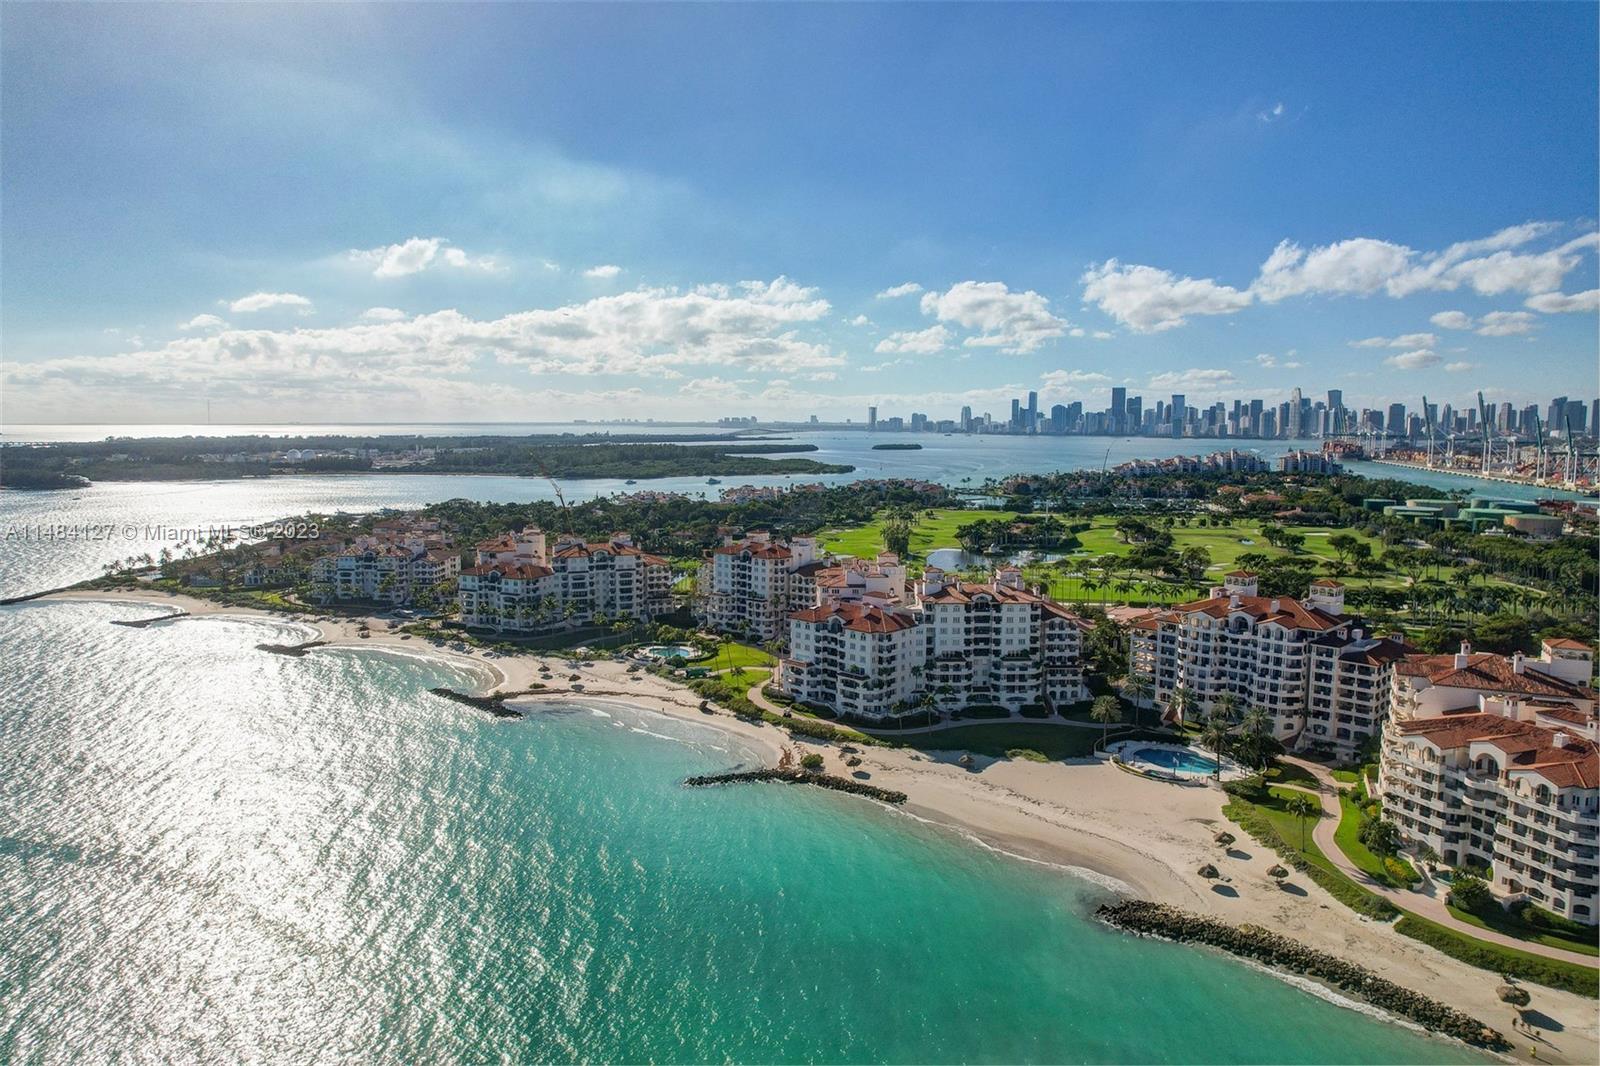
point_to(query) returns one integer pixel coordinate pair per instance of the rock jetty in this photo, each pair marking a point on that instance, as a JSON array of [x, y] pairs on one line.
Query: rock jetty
[[802, 777], [140, 623], [494, 703], [294, 651], [1282, 953]]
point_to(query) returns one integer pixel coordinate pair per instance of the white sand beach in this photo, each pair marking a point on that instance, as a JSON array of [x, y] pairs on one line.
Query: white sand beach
[[1147, 835]]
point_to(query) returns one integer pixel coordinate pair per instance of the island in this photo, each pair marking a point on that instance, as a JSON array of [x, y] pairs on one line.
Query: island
[[897, 447]]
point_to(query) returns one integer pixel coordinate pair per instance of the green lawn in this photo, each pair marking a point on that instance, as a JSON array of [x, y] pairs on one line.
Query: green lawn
[[731, 654], [1348, 837], [1508, 924], [738, 683], [939, 531], [1288, 773], [1556, 973]]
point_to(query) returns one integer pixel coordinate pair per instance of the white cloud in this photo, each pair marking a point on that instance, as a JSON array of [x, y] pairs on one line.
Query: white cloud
[[1271, 114], [1405, 340], [751, 327], [1014, 322], [382, 314], [909, 288], [1417, 360], [1194, 382], [1554, 303], [603, 272], [918, 342], [265, 301], [861, 320], [1148, 300], [1102, 335], [1452, 320], [204, 322], [1460, 367], [1506, 323], [416, 254], [1360, 265]]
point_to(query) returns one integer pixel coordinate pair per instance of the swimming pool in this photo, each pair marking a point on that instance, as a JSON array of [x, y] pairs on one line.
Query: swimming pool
[[1172, 760], [670, 651]]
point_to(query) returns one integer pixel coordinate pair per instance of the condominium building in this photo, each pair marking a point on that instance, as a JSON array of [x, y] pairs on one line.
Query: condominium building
[[1323, 679], [521, 585], [859, 660], [749, 586], [1494, 762], [958, 644], [998, 643], [385, 568]]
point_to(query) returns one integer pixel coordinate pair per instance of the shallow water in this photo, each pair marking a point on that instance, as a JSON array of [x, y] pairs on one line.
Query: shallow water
[[211, 853]]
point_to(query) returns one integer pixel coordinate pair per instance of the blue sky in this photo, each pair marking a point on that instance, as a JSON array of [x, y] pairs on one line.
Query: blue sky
[[538, 212]]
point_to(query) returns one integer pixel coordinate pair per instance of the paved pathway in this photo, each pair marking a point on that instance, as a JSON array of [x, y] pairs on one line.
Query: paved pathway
[[1428, 903]]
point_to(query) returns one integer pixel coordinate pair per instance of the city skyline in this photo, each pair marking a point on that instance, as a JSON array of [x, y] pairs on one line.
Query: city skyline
[[541, 214]]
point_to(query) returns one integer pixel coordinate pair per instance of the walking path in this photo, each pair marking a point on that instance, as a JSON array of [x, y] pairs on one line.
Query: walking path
[[1427, 904]]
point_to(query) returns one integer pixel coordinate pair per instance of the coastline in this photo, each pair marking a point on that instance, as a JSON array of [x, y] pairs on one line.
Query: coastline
[[1083, 816]]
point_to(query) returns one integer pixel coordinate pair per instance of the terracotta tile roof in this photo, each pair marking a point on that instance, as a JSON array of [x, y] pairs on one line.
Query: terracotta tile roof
[[1290, 612], [1563, 712], [966, 592], [1490, 672], [1238, 573], [757, 551], [1528, 748], [1327, 583], [510, 571], [862, 618], [1567, 644]]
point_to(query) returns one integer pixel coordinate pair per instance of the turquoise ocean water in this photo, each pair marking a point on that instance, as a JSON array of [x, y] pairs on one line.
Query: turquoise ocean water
[[209, 853]]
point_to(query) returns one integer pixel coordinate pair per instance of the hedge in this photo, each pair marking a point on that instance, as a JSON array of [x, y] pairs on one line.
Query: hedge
[[1553, 973]]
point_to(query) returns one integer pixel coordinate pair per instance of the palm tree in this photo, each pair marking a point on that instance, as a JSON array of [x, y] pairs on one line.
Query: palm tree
[[1255, 726], [1214, 736], [1303, 808], [1180, 702], [1105, 710]]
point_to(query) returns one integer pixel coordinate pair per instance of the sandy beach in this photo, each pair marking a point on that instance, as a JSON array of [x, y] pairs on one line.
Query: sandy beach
[[1144, 835]]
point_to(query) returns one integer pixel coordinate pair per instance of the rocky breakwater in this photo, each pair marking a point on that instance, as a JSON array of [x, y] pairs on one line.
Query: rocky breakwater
[[802, 777], [294, 651], [494, 703], [1280, 952], [140, 623]]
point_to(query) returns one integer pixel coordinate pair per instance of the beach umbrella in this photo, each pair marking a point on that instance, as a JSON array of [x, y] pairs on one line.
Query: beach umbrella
[[1278, 871], [1225, 839], [1207, 871], [1512, 994]]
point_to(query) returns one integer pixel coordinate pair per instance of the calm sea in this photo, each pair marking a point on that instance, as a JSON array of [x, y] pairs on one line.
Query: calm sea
[[132, 518], [213, 854]]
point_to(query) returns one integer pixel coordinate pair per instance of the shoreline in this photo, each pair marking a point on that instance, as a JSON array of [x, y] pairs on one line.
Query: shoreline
[[1082, 816]]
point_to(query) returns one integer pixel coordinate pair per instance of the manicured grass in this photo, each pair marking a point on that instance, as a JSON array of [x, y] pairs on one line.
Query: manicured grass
[[939, 531], [1554, 973], [734, 683], [1346, 777], [1508, 924], [1348, 837], [730, 655], [1288, 773]]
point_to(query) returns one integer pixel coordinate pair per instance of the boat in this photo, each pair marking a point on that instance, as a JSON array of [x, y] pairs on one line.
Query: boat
[[713, 481], [630, 481]]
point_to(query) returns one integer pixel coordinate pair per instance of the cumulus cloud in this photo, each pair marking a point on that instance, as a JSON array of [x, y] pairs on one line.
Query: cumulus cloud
[[605, 271], [266, 301], [1014, 322], [1505, 323], [1417, 360], [204, 322], [1271, 114], [382, 314], [909, 288], [1452, 320], [752, 326], [1148, 300], [917, 342], [416, 254], [1460, 367], [861, 320], [1555, 303], [1405, 340], [1060, 379]]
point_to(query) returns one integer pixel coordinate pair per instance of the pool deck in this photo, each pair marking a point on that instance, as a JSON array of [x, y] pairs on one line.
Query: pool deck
[[1126, 755]]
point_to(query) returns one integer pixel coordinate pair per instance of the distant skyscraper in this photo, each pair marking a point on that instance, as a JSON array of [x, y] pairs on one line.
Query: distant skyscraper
[[1016, 414], [1033, 412], [1058, 419], [872, 419], [1336, 419], [1135, 418], [1119, 408], [1180, 407], [966, 420], [1256, 425], [1296, 429], [1394, 423]]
